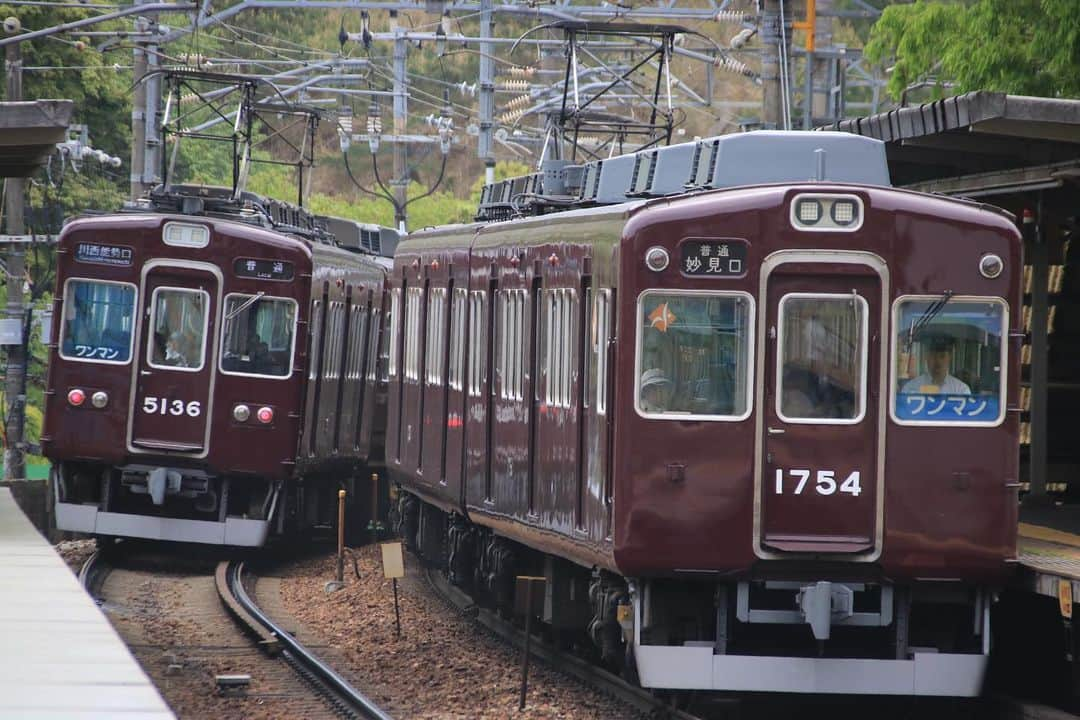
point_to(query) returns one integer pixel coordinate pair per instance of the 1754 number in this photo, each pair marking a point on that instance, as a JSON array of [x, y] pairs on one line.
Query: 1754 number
[[825, 481]]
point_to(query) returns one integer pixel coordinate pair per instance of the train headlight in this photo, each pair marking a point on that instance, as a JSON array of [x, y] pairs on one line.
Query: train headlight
[[991, 265], [826, 212], [241, 413], [844, 212], [809, 211], [76, 397], [99, 399], [656, 259], [265, 415]]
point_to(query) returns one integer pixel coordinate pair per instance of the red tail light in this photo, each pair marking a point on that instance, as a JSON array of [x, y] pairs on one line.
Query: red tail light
[[265, 415], [76, 397]]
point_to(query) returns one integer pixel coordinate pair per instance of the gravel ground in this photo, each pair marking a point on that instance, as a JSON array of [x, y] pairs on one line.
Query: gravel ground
[[75, 552], [444, 665]]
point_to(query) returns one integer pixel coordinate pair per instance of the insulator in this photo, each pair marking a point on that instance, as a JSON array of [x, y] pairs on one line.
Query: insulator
[[511, 116], [522, 72], [513, 85], [730, 64], [374, 125], [188, 98], [519, 103], [588, 140], [731, 16]]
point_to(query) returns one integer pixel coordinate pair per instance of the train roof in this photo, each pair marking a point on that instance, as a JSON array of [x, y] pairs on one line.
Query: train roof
[[251, 209], [755, 158]]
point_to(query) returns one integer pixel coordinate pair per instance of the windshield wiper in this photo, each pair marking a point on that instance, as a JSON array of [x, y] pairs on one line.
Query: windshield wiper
[[245, 305], [929, 314]]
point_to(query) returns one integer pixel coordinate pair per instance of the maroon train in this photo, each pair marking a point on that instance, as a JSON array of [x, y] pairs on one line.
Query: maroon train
[[214, 374], [758, 432]]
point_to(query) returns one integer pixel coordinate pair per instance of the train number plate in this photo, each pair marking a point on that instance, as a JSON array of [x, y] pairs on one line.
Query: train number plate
[[166, 406], [825, 482]]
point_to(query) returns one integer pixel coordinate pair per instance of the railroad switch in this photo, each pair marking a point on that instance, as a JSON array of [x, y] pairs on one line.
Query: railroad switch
[[232, 684]]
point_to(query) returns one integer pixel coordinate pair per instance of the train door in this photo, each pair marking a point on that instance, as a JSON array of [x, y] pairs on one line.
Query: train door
[[819, 486], [174, 368]]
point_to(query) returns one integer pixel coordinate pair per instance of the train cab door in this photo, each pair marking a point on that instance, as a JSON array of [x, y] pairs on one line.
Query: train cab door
[[174, 367], [820, 476]]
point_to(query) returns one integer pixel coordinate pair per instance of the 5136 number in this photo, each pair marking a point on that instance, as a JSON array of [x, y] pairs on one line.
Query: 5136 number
[[164, 406]]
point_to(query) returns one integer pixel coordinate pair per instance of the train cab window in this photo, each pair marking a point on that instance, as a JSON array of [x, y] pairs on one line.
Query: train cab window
[[822, 346], [949, 360], [98, 318], [179, 329], [258, 335], [693, 355]]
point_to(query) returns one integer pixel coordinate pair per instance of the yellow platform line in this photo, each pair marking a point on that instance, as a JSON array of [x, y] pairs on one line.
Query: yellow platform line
[[1038, 532]]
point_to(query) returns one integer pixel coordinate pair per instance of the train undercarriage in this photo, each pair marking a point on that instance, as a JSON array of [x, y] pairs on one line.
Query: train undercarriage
[[188, 505], [796, 634]]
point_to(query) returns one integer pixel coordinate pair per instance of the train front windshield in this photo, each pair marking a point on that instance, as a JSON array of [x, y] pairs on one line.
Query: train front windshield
[[693, 355], [949, 360], [258, 336], [97, 321]]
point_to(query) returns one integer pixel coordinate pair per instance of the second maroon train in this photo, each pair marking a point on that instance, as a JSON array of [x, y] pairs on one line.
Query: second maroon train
[[757, 432]]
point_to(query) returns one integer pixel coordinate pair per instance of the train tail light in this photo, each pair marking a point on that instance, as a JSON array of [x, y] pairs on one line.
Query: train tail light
[[241, 413], [76, 397], [99, 399], [265, 415]]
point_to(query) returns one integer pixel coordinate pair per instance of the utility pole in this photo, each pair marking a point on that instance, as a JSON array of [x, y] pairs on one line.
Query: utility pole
[[138, 123], [152, 148], [401, 117], [15, 259], [487, 95], [772, 92]]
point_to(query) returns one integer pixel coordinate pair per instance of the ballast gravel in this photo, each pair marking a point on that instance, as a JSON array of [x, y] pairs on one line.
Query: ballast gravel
[[444, 665]]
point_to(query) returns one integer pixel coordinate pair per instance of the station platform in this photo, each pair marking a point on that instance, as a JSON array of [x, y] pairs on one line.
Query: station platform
[[1049, 562], [59, 656]]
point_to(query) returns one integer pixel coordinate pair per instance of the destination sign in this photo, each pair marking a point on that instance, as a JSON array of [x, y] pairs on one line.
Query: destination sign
[[263, 269], [713, 258], [98, 254]]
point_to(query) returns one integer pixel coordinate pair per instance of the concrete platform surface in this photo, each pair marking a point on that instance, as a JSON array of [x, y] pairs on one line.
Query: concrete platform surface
[[59, 656]]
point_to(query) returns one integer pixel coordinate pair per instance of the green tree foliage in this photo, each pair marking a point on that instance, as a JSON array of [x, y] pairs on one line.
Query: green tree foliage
[[1026, 47], [81, 73]]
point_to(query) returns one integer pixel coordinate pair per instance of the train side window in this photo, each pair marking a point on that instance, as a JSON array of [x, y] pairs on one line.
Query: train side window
[[259, 335], [600, 343], [316, 339], [395, 322], [949, 360], [457, 338], [98, 321], [179, 323], [694, 355], [588, 345], [412, 333], [373, 339], [476, 336], [436, 336], [569, 311], [823, 351]]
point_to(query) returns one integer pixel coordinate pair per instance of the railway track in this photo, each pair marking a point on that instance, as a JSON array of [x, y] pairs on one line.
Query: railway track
[[593, 676], [273, 638], [202, 624]]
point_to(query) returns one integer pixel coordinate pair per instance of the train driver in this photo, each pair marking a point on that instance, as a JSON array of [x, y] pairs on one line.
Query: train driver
[[655, 391], [937, 352], [173, 350]]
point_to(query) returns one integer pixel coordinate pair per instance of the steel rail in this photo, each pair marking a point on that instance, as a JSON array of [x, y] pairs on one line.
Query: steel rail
[[571, 665], [294, 651]]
